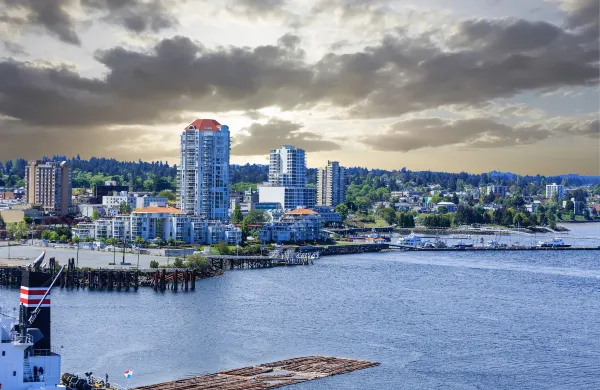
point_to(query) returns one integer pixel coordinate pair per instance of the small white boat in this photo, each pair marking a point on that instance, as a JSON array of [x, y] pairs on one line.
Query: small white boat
[[412, 240], [553, 243]]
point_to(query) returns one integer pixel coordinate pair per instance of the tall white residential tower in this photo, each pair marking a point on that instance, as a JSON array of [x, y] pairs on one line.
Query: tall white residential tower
[[287, 179], [331, 184], [203, 174]]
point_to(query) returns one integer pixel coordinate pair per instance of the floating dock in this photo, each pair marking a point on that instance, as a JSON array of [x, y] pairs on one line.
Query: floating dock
[[268, 376]]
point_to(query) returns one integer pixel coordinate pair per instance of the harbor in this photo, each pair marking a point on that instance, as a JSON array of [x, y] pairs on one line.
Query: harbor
[[417, 314]]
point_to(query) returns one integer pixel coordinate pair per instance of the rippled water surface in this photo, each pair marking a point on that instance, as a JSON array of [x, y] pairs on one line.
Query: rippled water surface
[[501, 320]]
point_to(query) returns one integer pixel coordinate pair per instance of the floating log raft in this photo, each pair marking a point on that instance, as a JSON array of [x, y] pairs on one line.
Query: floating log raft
[[268, 376]]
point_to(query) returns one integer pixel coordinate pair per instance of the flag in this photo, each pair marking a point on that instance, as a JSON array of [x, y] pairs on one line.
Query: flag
[[128, 374]]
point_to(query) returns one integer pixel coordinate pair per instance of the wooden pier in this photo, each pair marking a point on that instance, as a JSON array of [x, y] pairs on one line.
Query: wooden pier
[[268, 376]]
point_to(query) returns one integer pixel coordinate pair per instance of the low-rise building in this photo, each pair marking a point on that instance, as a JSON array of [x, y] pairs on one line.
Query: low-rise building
[[451, 207], [155, 222], [300, 225], [328, 214], [135, 201]]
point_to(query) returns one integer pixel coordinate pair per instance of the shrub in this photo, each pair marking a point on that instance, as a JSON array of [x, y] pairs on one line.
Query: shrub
[[153, 264]]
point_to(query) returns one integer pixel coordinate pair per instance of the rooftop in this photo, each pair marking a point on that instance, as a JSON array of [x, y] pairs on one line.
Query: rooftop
[[158, 209], [204, 124], [302, 212]]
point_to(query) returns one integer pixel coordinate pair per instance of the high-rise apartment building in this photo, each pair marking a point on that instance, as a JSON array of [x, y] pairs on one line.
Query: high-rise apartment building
[[331, 184], [203, 174], [287, 167], [555, 188], [48, 184], [287, 179]]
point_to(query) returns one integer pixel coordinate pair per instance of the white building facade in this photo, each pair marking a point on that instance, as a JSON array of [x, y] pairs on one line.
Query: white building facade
[[287, 179], [331, 184], [203, 174], [300, 225], [555, 188], [160, 222]]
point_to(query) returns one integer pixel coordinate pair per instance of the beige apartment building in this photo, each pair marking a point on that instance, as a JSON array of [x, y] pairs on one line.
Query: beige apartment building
[[48, 184]]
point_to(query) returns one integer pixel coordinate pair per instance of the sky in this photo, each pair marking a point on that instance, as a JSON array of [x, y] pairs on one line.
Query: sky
[[444, 85]]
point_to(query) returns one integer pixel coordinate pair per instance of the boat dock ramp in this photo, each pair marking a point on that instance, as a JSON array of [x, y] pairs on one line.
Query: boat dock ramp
[[268, 376]]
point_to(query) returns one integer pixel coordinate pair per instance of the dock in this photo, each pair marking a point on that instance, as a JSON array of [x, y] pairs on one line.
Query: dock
[[268, 376]]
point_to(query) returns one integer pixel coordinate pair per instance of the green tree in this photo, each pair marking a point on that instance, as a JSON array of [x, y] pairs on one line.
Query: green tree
[[170, 241], [520, 219], [75, 239], [256, 217], [442, 209], [342, 210], [54, 237], [138, 241], [63, 238], [124, 208], [168, 194], [17, 230], [387, 214], [178, 263], [153, 264], [46, 234], [198, 262], [223, 248], [237, 214], [95, 215]]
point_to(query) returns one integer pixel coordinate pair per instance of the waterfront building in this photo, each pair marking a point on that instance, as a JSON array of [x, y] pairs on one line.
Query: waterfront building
[[496, 190], [48, 184], [203, 174], [553, 188], [331, 184], [287, 179], [300, 225], [154, 222], [135, 201], [327, 214]]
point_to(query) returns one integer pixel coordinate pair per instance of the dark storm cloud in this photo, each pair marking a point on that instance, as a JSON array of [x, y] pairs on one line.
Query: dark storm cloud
[[135, 15], [276, 132], [483, 60], [146, 87], [60, 17], [29, 142], [473, 133], [52, 15]]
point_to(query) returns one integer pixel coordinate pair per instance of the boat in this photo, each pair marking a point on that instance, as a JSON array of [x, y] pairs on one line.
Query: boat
[[412, 240], [553, 243], [462, 245], [29, 361]]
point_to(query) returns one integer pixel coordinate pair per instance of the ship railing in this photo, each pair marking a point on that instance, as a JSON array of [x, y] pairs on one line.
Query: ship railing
[[45, 352], [17, 337]]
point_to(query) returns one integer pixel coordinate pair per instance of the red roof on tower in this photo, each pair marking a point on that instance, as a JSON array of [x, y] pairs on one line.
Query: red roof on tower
[[204, 124]]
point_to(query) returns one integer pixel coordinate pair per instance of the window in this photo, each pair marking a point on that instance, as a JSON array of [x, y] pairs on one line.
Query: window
[[3, 353]]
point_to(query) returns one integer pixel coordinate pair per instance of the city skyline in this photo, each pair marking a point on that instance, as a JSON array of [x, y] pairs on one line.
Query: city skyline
[[428, 85]]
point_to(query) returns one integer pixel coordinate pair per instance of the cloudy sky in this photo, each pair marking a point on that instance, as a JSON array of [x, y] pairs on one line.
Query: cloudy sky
[[449, 85]]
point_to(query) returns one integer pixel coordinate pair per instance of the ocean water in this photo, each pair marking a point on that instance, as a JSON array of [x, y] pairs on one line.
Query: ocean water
[[499, 320]]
